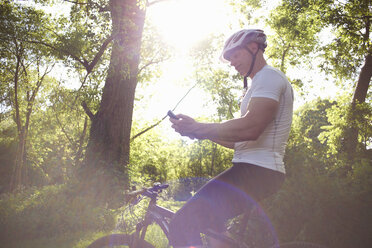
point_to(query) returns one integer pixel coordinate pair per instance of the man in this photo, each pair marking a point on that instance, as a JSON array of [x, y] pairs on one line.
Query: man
[[258, 138]]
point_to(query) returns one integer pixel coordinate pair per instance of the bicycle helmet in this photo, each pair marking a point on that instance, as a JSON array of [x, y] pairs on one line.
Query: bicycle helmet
[[240, 39]]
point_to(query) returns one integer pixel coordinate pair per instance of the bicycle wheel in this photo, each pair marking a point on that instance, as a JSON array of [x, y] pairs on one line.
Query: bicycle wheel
[[119, 240], [299, 244]]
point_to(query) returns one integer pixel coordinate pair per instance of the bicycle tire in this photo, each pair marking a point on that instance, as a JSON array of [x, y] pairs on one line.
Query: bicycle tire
[[299, 244], [114, 240]]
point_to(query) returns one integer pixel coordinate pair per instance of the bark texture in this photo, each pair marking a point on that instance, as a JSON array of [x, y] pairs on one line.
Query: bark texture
[[108, 146]]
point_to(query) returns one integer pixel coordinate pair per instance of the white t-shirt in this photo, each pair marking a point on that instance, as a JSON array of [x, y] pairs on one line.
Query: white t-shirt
[[268, 150]]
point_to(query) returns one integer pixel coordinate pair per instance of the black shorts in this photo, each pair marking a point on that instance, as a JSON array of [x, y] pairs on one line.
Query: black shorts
[[229, 194]]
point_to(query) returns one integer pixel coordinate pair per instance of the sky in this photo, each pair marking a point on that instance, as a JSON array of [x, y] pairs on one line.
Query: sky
[[182, 23]]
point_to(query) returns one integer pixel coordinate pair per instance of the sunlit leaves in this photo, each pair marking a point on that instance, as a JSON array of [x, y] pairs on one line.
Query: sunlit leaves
[[350, 21], [79, 37], [222, 85], [295, 27], [153, 53], [334, 133], [248, 9], [24, 64]]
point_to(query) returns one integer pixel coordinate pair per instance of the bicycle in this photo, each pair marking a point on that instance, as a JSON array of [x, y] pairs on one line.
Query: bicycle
[[162, 216]]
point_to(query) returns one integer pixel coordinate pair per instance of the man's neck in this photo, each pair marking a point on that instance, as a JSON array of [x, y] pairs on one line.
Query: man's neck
[[257, 67]]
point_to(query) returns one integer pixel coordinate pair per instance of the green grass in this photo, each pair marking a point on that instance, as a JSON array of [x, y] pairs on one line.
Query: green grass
[[71, 240], [154, 236]]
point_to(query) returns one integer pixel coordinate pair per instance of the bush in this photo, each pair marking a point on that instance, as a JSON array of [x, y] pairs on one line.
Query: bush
[[48, 212], [183, 188], [322, 209]]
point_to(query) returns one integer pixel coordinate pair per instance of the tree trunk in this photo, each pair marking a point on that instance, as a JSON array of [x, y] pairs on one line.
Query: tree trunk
[[360, 94], [19, 170], [364, 80], [108, 145], [213, 160]]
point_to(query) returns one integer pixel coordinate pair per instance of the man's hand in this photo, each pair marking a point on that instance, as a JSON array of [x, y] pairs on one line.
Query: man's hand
[[186, 126]]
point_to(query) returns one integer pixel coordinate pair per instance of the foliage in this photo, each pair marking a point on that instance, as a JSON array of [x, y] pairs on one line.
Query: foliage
[[57, 138], [323, 209], [152, 158], [295, 26], [333, 35], [153, 53], [186, 166], [8, 148], [248, 9], [317, 191], [206, 159], [79, 36], [304, 146], [216, 82], [350, 21], [24, 69], [48, 212], [334, 134]]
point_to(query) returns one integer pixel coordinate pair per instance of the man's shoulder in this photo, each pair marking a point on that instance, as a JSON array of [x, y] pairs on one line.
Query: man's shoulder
[[269, 76], [269, 71]]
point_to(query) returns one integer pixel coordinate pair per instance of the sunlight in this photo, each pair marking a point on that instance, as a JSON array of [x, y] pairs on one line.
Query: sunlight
[[182, 23]]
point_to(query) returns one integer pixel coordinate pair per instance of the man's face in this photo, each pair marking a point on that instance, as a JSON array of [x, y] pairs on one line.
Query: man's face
[[241, 59]]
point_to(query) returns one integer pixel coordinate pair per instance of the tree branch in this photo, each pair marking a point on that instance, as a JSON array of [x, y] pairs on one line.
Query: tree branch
[[31, 100], [83, 62], [64, 131], [283, 57], [81, 86], [100, 8], [40, 80], [102, 49], [16, 77], [76, 2], [157, 123], [18, 54], [81, 142], [147, 129], [88, 66], [148, 64], [87, 110]]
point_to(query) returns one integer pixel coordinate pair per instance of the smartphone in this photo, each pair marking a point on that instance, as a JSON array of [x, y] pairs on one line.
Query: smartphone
[[172, 115]]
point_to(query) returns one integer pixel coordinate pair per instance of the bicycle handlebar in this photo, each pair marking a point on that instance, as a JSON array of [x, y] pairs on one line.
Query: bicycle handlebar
[[151, 192]]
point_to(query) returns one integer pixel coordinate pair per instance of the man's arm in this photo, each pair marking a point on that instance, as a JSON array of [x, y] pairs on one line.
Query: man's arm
[[226, 144], [261, 111]]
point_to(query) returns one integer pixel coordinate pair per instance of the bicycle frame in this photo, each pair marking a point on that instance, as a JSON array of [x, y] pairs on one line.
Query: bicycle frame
[[161, 216]]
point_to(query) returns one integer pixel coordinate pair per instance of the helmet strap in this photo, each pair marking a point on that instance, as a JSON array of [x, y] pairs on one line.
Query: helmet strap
[[251, 68]]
